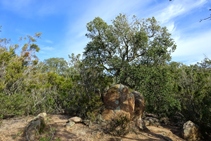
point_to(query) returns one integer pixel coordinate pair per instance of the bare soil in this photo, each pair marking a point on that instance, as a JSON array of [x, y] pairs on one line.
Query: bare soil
[[12, 130]]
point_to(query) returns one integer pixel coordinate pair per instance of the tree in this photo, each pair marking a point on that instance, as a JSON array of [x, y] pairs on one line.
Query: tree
[[124, 42], [58, 65]]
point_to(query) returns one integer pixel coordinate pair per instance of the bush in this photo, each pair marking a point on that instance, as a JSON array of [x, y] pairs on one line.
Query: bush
[[119, 126]]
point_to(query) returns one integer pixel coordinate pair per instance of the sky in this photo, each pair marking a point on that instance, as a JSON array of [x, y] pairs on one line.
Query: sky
[[63, 23]]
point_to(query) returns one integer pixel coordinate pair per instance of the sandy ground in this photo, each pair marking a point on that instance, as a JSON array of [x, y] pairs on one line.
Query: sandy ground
[[12, 130]]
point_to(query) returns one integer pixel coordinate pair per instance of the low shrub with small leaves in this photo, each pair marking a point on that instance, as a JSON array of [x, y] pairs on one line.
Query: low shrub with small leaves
[[119, 126]]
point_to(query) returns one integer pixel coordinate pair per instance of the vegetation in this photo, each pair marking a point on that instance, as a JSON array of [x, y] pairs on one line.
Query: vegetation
[[119, 126], [133, 52]]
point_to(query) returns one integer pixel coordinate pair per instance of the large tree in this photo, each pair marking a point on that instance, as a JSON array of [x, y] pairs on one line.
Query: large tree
[[127, 41]]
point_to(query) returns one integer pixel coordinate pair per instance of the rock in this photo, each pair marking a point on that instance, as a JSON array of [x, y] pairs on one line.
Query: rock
[[75, 119], [151, 115], [108, 114], [147, 123], [70, 124], [118, 100], [140, 123], [191, 131], [34, 126], [139, 104], [150, 121], [87, 122], [160, 131], [44, 115], [99, 119]]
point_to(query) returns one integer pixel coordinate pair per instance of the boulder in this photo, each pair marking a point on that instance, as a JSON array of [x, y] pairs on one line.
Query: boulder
[[112, 114], [34, 127], [118, 100], [191, 131], [75, 119], [139, 104]]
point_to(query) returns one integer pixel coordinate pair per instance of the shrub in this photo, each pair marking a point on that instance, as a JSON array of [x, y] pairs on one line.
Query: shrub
[[119, 126]]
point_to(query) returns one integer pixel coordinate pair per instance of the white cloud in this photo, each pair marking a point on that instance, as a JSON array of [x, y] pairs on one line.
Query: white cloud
[[171, 27], [192, 47], [177, 8], [47, 48], [49, 41]]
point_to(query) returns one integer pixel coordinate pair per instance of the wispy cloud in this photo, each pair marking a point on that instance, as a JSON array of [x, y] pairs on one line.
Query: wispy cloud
[[49, 41], [177, 8], [47, 48], [192, 47], [171, 27]]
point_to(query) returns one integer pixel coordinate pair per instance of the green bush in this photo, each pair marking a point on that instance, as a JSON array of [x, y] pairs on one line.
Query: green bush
[[119, 126]]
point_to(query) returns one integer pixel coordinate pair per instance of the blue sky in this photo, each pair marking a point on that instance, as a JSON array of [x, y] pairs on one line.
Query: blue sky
[[63, 23]]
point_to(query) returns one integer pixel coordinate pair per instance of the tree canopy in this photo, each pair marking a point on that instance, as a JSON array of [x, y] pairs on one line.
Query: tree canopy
[[127, 41]]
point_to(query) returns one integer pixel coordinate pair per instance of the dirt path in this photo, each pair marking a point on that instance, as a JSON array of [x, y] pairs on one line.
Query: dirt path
[[12, 130]]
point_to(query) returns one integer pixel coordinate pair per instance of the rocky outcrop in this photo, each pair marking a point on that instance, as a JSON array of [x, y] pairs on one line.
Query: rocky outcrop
[[118, 100], [191, 131]]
